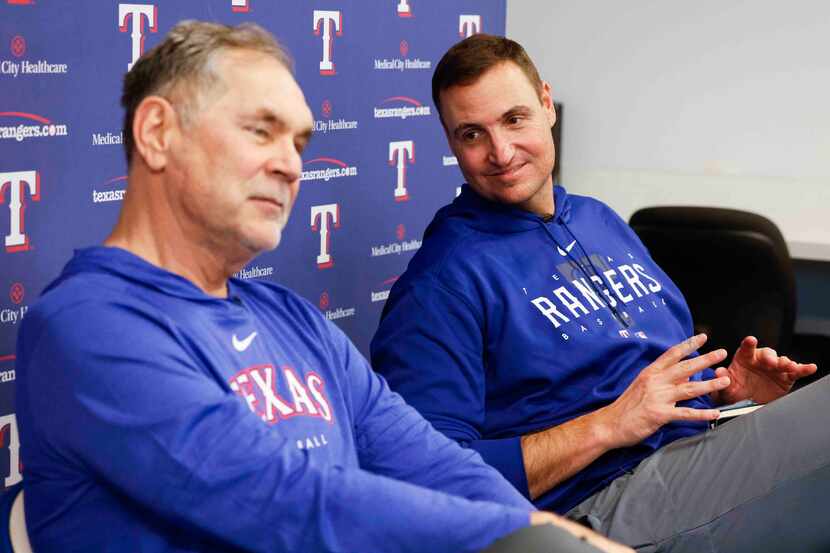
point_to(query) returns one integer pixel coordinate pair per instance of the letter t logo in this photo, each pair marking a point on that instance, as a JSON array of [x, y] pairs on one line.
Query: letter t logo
[[404, 10], [322, 213], [10, 422], [18, 183], [328, 19], [134, 13], [400, 152], [240, 6], [468, 25]]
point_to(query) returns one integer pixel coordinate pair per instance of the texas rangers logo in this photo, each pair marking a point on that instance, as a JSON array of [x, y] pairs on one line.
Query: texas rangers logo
[[401, 107], [328, 20], [11, 441], [401, 152], [336, 169], [404, 9], [468, 25], [18, 184], [580, 303], [131, 18], [240, 6], [321, 216], [35, 126], [260, 387], [383, 295]]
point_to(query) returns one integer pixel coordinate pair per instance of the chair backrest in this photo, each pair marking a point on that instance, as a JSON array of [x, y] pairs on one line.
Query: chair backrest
[[18, 535], [732, 266]]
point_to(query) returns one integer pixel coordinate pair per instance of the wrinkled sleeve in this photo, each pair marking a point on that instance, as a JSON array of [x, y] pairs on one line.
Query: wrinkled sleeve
[[429, 347], [395, 440], [128, 404]]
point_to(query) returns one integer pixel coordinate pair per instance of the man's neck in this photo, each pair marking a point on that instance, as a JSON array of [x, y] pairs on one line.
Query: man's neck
[[542, 203], [149, 230], [203, 269]]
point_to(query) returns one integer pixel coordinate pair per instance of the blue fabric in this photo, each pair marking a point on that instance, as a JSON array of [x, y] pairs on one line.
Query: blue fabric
[[505, 324], [150, 420]]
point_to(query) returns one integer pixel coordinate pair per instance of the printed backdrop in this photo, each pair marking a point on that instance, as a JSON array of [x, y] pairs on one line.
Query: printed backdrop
[[376, 171]]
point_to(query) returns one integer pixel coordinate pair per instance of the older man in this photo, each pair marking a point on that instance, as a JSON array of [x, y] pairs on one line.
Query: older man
[[534, 327], [165, 406]]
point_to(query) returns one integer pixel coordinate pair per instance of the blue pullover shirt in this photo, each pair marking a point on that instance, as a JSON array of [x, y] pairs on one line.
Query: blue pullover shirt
[[505, 324], [154, 417]]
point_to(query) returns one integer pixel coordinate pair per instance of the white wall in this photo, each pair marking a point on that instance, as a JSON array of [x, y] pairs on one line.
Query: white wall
[[709, 102]]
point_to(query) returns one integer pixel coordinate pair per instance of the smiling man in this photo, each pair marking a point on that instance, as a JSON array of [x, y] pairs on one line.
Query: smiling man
[[533, 327], [166, 406], [500, 131]]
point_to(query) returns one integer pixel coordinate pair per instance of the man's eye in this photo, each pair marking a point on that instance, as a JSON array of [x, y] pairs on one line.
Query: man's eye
[[259, 131], [470, 136], [515, 119]]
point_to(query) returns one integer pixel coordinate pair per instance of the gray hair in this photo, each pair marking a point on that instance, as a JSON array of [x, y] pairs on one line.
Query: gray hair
[[185, 59]]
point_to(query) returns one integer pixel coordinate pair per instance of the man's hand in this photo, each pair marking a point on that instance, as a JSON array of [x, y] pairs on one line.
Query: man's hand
[[759, 373], [598, 541], [650, 401]]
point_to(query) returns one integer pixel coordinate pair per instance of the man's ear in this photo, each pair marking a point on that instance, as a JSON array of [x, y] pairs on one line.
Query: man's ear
[[546, 97], [154, 125]]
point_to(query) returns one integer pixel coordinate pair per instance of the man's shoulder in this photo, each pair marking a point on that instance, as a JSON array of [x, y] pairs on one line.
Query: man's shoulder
[[272, 294], [88, 312], [449, 243], [84, 291]]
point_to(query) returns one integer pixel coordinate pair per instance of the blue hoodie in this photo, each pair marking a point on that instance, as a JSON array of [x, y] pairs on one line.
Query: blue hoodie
[[505, 324], [154, 417]]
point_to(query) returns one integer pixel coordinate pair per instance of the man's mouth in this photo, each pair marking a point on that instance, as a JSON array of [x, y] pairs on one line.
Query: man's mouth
[[508, 171], [268, 202]]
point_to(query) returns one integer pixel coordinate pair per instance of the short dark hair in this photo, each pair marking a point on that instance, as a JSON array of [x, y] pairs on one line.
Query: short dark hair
[[469, 59], [185, 58]]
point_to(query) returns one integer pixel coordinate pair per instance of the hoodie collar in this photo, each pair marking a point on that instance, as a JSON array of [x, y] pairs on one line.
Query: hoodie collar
[[494, 217], [130, 267]]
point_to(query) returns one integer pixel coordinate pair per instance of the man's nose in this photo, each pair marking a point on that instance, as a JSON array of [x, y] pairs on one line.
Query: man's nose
[[501, 149], [285, 160]]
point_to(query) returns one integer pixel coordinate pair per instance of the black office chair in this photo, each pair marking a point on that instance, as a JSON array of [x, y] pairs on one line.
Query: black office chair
[[541, 539], [736, 273]]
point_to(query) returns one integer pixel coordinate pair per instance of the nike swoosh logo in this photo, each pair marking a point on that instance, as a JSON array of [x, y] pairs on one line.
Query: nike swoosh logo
[[242, 345], [567, 249]]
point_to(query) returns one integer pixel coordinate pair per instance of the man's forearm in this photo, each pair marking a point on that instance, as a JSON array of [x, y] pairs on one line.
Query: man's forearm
[[557, 453]]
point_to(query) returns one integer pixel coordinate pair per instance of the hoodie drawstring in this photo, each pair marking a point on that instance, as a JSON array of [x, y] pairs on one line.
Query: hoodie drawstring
[[617, 315]]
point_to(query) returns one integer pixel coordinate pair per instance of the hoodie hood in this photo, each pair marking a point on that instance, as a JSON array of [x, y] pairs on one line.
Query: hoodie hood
[[131, 268], [493, 218], [483, 215]]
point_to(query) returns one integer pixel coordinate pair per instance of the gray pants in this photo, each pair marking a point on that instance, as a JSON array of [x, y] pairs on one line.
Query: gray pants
[[759, 483]]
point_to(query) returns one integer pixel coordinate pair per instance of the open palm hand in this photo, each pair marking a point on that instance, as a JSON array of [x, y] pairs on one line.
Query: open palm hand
[[760, 374]]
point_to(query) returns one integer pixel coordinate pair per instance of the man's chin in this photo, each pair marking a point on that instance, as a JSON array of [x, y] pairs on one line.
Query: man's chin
[[265, 240]]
